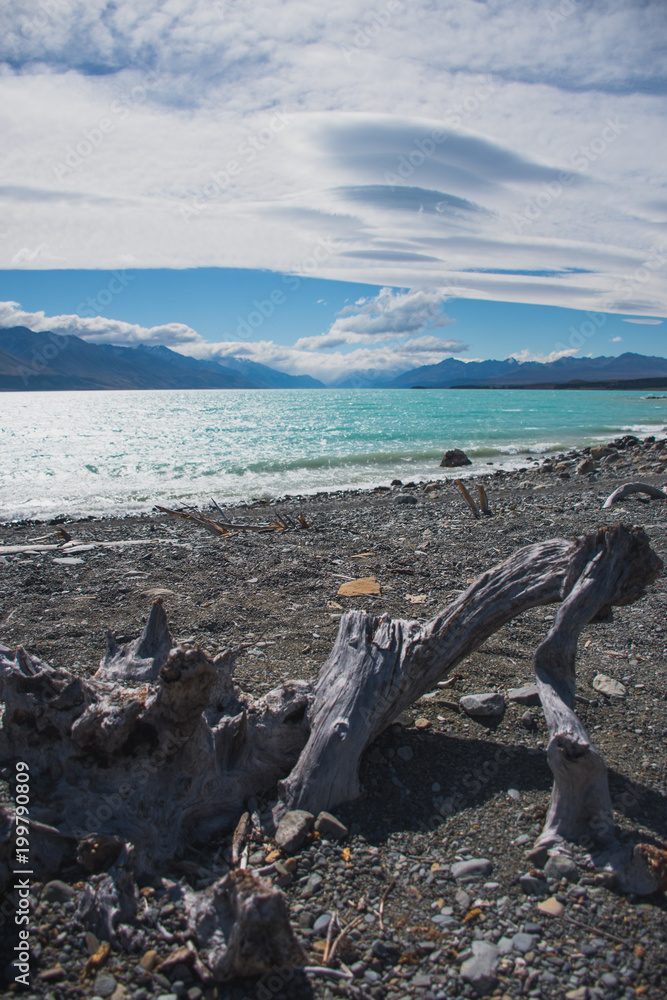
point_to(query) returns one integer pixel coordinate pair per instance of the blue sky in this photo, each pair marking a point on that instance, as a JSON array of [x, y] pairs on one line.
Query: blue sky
[[408, 181]]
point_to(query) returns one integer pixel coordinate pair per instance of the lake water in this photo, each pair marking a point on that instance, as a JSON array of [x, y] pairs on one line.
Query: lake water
[[112, 452]]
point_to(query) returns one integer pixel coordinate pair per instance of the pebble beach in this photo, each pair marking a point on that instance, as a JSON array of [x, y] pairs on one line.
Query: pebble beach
[[427, 870]]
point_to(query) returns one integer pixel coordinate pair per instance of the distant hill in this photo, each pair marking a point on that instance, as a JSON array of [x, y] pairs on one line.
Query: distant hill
[[47, 361], [510, 373]]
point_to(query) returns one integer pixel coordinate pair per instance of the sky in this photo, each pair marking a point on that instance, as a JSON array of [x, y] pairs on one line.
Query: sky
[[332, 188]]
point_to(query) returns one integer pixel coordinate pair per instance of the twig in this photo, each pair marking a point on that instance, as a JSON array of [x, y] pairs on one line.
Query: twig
[[483, 501], [383, 900], [597, 930], [319, 970], [330, 930], [468, 499], [343, 934]]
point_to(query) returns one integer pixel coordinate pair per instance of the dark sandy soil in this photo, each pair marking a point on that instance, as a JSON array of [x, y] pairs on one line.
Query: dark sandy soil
[[449, 789]]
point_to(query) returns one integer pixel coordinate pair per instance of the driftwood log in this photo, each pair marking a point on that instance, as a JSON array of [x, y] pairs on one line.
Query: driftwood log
[[160, 746], [629, 488]]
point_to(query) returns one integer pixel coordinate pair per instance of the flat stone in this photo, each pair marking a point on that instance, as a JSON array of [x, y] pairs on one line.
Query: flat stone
[[328, 826], [463, 899], [52, 975], [527, 695], [551, 907], [313, 885], [293, 829], [104, 985], [560, 866], [473, 870], [57, 892], [523, 942], [490, 704], [405, 498], [480, 970], [148, 959], [610, 687], [321, 925]]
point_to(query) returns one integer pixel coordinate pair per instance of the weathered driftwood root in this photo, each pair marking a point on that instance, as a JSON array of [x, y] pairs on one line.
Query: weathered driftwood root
[[161, 746], [629, 488]]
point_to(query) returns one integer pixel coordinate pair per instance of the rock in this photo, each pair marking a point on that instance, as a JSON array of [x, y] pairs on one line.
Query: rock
[[560, 866], [480, 970], [422, 723], [364, 586], [405, 498], [328, 826], [313, 885], [463, 899], [551, 907], [473, 870], [148, 960], [580, 993], [526, 695], [523, 942], [585, 466], [57, 892], [405, 753], [293, 829], [104, 985], [533, 886], [52, 975], [528, 720], [453, 458], [610, 687], [489, 704], [321, 925], [600, 451]]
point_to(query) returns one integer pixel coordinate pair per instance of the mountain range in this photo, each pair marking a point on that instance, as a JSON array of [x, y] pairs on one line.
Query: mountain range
[[32, 360]]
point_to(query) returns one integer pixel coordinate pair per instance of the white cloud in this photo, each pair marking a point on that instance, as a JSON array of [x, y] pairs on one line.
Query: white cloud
[[143, 132], [615, 340], [644, 321], [389, 315], [98, 329]]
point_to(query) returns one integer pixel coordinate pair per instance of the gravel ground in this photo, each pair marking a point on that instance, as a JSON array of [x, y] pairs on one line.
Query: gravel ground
[[439, 788]]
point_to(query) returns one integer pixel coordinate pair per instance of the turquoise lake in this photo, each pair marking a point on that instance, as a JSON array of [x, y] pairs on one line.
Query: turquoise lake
[[113, 452]]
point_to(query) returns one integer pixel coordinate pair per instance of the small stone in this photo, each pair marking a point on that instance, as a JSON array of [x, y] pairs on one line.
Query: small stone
[[104, 985], [405, 498], [92, 943], [313, 885], [581, 993], [454, 458], [148, 960], [610, 687], [328, 826], [527, 695], [585, 466], [528, 720], [405, 753], [551, 907], [490, 704], [600, 451], [321, 925], [57, 892], [559, 866], [514, 794], [422, 723], [463, 899], [480, 970], [523, 942], [52, 975], [293, 829], [533, 886], [473, 870]]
